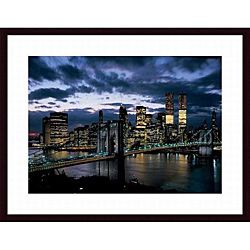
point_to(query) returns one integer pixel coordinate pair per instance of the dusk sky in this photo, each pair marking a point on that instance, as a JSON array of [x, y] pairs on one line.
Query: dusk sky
[[81, 86]]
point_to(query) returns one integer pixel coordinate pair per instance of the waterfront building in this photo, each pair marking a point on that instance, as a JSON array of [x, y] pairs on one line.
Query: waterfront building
[[58, 128], [93, 134], [72, 138], [81, 136], [152, 134], [148, 119], [140, 117], [160, 119], [169, 117], [182, 105], [140, 136], [169, 108]]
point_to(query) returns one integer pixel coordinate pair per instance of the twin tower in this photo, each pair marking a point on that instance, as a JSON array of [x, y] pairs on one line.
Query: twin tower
[[182, 107]]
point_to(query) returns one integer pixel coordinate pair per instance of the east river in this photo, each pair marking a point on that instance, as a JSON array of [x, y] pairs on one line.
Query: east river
[[168, 171]]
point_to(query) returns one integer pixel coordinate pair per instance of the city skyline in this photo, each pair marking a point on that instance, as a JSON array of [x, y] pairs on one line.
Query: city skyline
[[81, 86]]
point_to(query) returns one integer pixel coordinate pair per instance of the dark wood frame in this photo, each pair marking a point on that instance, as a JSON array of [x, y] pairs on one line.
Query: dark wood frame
[[125, 31]]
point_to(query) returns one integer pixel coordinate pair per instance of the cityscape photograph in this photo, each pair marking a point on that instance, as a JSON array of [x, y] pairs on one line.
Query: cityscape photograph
[[125, 124]]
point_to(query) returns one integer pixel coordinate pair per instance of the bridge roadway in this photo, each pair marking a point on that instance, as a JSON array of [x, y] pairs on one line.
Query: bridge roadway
[[47, 165]]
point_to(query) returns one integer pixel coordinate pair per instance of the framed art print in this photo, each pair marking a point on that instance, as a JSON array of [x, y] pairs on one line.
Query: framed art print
[[124, 124]]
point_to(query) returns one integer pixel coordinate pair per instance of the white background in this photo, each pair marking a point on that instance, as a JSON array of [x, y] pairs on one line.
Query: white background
[[112, 13], [229, 202]]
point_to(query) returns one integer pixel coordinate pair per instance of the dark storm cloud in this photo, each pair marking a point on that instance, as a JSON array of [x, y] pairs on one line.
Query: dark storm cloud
[[43, 107], [56, 93], [51, 103], [64, 100], [71, 74], [39, 70], [33, 102], [211, 79], [204, 100], [193, 64], [120, 61], [147, 75]]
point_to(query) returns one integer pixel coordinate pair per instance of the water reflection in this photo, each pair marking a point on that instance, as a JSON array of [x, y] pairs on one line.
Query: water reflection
[[165, 170], [169, 171]]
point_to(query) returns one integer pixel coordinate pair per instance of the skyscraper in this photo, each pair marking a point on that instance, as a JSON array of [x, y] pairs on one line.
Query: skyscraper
[[182, 112], [140, 117], [58, 128], [148, 119], [81, 136], [169, 108]]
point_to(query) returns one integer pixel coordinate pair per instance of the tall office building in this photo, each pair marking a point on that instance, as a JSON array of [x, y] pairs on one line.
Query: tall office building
[[140, 117], [93, 131], [161, 118], [169, 108], [148, 119], [46, 131], [58, 128], [182, 113], [81, 136]]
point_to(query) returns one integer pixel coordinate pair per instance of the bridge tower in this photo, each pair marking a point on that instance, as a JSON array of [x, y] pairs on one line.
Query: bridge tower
[[206, 141]]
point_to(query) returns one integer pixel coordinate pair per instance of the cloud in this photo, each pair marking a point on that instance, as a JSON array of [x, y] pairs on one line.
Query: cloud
[[43, 107], [71, 73], [39, 70], [56, 93]]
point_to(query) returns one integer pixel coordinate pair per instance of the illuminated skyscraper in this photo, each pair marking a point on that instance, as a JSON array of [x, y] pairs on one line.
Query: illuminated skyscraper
[[58, 128], [140, 117], [161, 118], [81, 136], [182, 112], [148, 119], [169, 108]]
